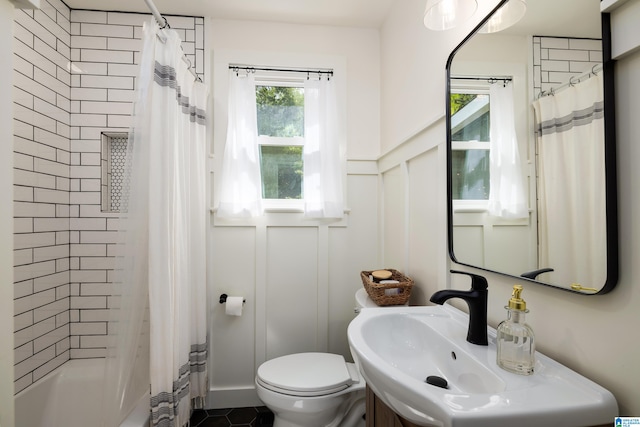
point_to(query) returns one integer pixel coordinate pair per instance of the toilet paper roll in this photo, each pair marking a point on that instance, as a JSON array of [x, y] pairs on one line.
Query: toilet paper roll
[[233, 306]]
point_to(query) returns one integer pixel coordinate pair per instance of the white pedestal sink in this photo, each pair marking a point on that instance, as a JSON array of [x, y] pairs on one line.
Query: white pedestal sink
[[396, 349]]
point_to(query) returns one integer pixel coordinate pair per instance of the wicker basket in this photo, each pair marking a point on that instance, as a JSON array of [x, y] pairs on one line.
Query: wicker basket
[[388, 293]]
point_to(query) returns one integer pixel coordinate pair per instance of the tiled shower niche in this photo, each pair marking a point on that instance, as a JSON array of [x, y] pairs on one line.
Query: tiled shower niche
[[112, 162]]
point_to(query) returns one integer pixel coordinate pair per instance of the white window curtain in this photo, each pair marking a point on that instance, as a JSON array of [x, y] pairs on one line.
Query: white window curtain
[[571, 185], [323, 188], [507, 195], [160, 326], [240, 183]]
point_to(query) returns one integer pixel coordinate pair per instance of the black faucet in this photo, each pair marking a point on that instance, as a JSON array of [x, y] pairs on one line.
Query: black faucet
[[476, 299]]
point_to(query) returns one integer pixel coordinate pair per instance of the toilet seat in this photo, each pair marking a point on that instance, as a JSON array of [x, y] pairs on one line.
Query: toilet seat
[[306, 374]]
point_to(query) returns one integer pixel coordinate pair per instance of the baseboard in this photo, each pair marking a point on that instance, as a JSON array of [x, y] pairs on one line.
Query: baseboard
[[232, 398]]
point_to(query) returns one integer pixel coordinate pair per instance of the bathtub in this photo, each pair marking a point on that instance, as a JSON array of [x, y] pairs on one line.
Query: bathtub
[[71, 396]]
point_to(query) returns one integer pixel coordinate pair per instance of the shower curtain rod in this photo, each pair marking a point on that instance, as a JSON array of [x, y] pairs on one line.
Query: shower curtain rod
[[572, 81], [162, 21], [327, 71]]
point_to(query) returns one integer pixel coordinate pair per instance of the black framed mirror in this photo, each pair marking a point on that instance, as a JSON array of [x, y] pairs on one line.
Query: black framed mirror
[[531, 157]]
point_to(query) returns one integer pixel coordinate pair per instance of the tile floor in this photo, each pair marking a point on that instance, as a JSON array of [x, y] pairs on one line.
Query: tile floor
[[236, 417]]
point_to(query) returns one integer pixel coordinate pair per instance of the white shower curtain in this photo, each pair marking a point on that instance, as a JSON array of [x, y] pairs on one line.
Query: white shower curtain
[[162, 263], [507, 196], [571, 187]]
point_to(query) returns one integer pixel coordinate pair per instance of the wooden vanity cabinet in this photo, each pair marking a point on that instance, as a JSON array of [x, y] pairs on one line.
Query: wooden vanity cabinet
[[380, 415]]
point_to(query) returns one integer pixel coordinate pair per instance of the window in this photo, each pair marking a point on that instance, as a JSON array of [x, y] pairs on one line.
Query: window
[[470, 142], [283, 145], [280, 120]]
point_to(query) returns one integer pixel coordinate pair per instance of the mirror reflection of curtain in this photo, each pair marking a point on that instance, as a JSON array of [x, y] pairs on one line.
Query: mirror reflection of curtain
[[571, 190], [507, 198]]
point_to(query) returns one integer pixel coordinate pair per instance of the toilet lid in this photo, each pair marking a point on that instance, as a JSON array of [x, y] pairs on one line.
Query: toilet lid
[[305, 374]]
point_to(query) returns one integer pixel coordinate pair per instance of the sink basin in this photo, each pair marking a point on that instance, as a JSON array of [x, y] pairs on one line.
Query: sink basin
[[396, 349]]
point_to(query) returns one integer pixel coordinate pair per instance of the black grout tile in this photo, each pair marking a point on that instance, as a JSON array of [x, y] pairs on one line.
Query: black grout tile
[[198, 416], [215, 422], [259, 416], [242, 416]]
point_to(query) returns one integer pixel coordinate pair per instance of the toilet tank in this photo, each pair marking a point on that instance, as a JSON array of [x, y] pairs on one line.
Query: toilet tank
[[363, 300]]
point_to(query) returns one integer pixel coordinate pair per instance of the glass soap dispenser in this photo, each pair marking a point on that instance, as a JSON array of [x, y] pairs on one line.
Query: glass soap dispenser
[[516, 347]]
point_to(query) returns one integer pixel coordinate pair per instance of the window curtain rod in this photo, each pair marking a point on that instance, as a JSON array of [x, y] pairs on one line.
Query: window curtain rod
[[496, 79], [327, 71], [162, 21]]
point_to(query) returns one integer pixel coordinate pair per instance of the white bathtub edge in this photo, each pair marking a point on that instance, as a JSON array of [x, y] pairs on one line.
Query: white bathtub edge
[[41, 402]]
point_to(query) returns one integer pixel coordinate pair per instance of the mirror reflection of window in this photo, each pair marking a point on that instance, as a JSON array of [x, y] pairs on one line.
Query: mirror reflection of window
[[470, 130]]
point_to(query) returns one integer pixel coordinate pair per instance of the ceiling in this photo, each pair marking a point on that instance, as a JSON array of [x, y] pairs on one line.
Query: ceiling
[[574, 17], [353, 13], [566, 18]]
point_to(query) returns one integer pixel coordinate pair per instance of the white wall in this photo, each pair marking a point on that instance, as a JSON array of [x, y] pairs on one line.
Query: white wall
[[298, 276], [359, 47], [594, 335], [6, 216], [413, 70]]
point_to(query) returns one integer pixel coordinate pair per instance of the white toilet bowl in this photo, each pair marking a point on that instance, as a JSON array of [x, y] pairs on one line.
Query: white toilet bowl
[[312, 390]]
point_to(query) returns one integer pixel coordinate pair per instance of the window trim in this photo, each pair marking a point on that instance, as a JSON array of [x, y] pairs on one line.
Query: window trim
[[280, 141]]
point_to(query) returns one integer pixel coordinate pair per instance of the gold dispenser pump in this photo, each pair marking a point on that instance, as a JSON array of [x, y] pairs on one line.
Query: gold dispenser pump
[[516, 302]]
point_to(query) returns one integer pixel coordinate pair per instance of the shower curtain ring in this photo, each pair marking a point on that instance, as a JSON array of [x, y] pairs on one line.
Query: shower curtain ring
[[166, 24]]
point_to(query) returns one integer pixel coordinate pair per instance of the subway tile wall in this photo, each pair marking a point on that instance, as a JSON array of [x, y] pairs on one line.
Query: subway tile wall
[[557, 59], [74, 79], [42, 158]]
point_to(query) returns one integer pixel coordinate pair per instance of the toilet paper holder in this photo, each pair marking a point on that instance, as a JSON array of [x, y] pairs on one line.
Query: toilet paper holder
[[223, 299]]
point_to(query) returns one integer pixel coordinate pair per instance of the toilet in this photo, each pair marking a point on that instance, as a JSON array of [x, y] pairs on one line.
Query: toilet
[[314, 389]]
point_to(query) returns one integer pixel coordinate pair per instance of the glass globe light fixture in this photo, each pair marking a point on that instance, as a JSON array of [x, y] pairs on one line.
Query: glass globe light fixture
[[510, 13], [445, 14]]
